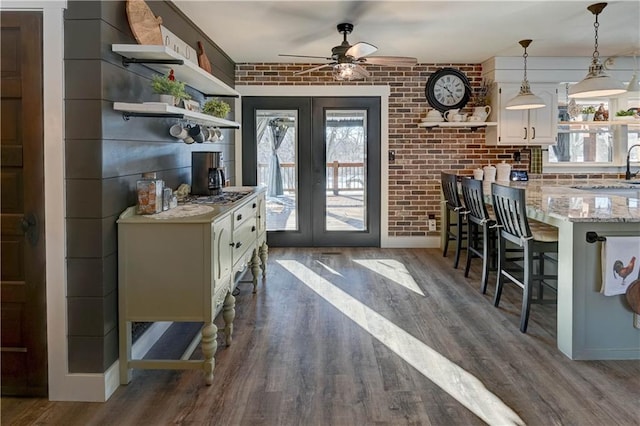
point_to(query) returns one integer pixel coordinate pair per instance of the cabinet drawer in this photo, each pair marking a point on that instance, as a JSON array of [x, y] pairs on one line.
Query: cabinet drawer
[[248, 211], [244, 237]]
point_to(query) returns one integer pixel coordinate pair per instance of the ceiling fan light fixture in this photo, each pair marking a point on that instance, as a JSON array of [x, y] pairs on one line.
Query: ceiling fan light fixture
[[597, 83], [346, 72], [525, 99]]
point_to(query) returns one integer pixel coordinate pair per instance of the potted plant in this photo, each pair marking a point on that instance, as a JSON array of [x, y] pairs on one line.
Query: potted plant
[[216, 107], [625, 115], [170, 90], [588, 112]]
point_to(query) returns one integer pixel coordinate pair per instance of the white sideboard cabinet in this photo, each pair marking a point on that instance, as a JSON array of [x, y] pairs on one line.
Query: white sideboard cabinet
[[184, 269], [523, 127]]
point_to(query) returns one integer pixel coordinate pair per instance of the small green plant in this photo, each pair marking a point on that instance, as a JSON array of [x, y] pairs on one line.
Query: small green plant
[[162, 85], [589, 109], [623, 113], [216, 107]]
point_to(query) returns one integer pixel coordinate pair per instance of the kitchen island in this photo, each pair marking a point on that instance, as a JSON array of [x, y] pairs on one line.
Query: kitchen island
[[181, 265], [590, 326]]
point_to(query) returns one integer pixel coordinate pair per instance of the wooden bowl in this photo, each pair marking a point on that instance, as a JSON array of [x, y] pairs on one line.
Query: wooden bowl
[[633, 296]]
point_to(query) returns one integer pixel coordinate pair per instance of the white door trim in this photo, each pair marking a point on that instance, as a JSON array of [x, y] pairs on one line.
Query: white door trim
[[333, 91]]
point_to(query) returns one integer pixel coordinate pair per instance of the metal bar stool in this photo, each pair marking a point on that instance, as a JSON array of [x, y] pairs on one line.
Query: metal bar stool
[[454, 231], [534, 240], [481, 229]]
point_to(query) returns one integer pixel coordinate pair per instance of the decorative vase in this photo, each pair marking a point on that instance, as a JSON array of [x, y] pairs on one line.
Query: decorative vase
[[168, 99], [482, 112]]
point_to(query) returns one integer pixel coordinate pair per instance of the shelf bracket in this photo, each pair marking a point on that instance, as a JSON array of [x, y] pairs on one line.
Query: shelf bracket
[[127, 61]]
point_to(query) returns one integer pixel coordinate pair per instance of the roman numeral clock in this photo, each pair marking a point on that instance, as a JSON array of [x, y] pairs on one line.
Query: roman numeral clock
[[447, 88]]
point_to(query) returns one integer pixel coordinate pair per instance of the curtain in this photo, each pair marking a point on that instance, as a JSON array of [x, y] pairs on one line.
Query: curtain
[[278, 132]]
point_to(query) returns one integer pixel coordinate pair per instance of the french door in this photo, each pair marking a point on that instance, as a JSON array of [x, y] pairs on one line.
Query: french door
[[319, 159]]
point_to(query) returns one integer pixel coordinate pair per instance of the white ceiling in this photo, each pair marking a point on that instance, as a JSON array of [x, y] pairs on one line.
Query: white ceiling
[[432, 31]]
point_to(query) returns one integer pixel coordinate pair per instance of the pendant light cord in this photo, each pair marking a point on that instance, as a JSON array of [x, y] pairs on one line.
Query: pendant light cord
[[596, 24]]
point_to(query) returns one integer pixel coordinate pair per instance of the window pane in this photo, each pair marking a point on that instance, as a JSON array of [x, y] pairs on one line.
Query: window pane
[[346, 177], [277, 166]]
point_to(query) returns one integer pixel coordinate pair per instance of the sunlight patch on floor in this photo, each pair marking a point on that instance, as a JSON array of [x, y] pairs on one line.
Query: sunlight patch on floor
[[392, 270], [457, 382], [329, 268]]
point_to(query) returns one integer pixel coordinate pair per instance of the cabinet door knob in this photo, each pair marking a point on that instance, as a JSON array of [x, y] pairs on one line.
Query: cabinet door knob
[[238, 244], [255, 205], [232, 244], [253, 228], [533, 131], [525, 133], [239, 217]]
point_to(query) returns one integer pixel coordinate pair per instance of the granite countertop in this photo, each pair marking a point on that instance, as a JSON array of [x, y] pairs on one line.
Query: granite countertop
[[579, 201]]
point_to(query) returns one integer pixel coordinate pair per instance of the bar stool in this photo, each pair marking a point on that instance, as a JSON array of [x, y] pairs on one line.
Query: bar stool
[[481, 228], [533, 238], [454, 231]]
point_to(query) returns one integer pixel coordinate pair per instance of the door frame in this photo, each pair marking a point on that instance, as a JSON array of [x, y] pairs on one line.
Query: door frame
[[382, 92]]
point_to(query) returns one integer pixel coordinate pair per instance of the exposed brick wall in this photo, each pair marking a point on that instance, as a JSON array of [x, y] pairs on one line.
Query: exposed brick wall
[[414, 177]]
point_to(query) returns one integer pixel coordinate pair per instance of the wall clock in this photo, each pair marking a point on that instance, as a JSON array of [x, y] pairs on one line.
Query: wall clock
[[447, 88]]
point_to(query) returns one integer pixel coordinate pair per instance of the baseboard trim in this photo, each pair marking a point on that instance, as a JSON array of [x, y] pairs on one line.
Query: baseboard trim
[[410, 242]]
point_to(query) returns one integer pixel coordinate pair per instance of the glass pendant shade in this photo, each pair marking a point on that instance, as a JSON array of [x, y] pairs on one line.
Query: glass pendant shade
[[346, 72], [597, 82], [634, 84], [525, 99]]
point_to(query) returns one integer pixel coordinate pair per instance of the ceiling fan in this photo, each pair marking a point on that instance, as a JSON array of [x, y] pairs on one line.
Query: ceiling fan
[[347, 59]]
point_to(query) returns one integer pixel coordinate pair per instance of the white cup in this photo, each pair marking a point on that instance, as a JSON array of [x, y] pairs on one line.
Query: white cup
[[178, 132]]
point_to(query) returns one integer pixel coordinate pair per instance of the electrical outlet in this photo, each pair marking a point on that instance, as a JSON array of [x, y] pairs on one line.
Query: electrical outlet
[[432, 224]]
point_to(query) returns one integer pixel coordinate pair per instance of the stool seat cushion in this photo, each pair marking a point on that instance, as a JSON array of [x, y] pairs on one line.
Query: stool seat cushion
[[543, 232]]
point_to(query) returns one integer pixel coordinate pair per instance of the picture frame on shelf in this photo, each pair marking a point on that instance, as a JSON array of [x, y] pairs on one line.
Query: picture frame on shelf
[[193, 106]]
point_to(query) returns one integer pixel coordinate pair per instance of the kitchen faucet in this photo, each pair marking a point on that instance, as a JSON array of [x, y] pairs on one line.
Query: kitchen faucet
[[628, 175]]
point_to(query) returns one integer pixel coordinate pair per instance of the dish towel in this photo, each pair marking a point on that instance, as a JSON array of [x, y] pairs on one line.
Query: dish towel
[[620, 264]]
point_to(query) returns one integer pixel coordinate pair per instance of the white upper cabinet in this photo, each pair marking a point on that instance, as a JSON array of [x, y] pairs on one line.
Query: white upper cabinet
[[523, 127]]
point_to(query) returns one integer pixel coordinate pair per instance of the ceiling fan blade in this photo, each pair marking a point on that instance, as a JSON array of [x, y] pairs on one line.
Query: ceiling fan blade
[[313, 69], [307, 56], [405, 61], [361, 49], [363, 72]]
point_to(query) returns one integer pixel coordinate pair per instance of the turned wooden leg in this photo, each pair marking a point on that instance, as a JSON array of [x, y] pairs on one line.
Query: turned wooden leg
[[228, 314], [264, 256], [255, 269], [209, 346]]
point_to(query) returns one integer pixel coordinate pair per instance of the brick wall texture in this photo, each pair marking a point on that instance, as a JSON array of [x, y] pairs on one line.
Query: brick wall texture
[[421, 154]]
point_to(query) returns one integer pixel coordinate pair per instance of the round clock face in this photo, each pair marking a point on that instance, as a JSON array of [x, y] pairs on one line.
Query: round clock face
[[447, 88]]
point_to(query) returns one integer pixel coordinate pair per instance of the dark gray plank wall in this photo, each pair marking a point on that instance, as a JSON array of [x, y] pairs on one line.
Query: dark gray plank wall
[[105, 155]]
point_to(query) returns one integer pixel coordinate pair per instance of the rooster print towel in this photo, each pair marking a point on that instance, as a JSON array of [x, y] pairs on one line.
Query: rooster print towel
[[620, 264]]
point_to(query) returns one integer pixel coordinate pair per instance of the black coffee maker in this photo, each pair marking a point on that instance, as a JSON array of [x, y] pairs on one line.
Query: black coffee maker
[[207, 173]]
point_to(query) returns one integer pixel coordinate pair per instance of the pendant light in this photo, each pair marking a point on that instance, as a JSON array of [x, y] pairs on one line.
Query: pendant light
[[597, 82], [634, 84], [525, 99]]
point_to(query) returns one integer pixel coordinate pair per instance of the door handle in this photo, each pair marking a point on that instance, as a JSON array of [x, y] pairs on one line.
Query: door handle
[[29, 225], [525, 133], [533, 131]]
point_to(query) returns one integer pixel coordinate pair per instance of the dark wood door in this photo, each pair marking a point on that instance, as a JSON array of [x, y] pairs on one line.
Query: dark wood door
[[23, 292]]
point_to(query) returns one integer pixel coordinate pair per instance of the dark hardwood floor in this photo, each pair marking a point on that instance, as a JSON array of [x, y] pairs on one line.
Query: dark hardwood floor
[[370, 337]]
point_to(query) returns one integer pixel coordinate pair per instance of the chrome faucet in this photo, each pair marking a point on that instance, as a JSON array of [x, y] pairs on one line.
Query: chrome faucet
[[628, 175]]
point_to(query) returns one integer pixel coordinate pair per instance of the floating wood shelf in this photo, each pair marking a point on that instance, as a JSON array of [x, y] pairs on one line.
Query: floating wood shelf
[[472, 125], [162, 59], [157, 109]]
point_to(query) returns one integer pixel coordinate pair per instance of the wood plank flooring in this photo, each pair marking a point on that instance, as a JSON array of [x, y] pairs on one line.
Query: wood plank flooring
[[370, 337]]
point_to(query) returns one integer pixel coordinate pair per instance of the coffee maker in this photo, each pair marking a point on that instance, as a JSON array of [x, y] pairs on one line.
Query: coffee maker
[[207, 173]]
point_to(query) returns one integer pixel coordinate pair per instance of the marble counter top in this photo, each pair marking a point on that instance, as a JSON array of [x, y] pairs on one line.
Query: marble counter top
[[571, 201]]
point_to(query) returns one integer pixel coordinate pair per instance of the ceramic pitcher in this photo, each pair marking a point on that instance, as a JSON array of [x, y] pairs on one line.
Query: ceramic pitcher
[[450, 114], [482, 112]]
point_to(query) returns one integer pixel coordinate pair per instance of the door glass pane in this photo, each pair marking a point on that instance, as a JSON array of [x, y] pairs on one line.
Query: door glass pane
[[277, 166], [346, 177]]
